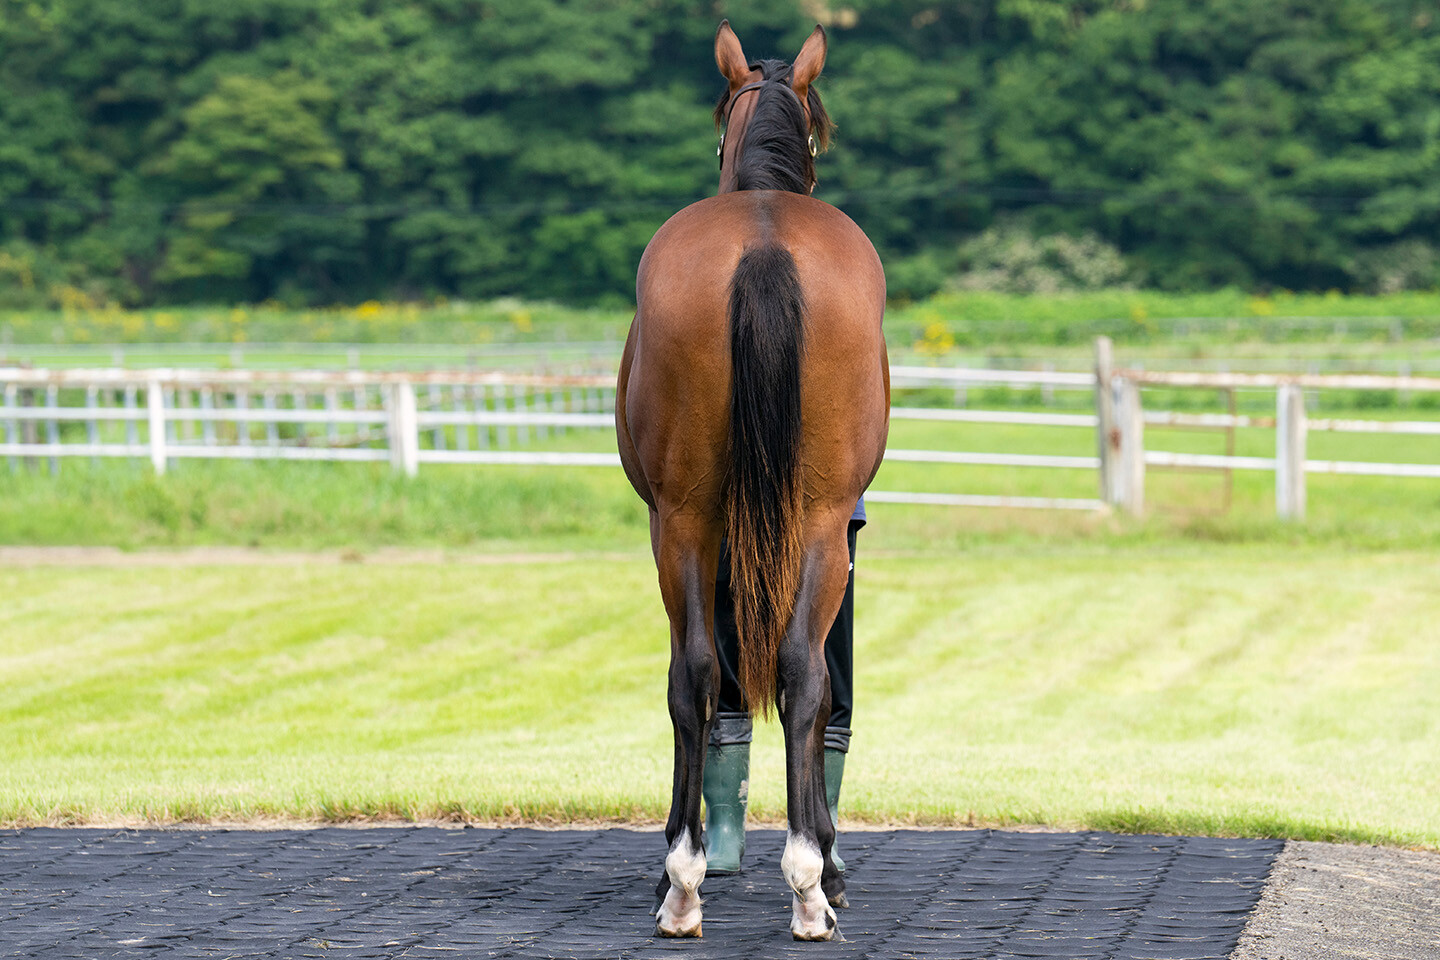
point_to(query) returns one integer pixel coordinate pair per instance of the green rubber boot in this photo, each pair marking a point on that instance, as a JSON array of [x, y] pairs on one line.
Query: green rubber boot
[[834, 773], [726, 789]]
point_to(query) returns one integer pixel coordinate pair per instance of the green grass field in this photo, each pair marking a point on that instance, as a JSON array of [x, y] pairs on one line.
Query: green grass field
[[1280, 690]]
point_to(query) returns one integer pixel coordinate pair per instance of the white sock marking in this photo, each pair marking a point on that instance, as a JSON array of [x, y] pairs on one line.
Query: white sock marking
[[685, 869], [812, 917], [680, 913], [801, 863]]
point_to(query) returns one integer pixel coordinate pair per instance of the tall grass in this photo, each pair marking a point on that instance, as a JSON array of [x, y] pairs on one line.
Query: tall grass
[[311, 505]]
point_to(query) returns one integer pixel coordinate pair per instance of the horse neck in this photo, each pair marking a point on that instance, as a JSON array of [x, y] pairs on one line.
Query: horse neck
[[764, 159]]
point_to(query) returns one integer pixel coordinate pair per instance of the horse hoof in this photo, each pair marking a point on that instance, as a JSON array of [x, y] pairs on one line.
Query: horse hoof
[[677, 933], [679, 915], [812, 919], [839, 900], [828, 932], [682, 922]]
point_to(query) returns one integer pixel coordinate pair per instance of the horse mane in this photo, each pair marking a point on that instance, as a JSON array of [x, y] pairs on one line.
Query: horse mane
[[777, 151]]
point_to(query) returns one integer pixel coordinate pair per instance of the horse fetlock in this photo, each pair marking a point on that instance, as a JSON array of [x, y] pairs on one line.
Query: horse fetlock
[[680, 913], [812, 917]]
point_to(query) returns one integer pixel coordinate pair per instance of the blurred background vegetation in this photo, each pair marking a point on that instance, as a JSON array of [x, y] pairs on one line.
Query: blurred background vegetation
[[325, 151]]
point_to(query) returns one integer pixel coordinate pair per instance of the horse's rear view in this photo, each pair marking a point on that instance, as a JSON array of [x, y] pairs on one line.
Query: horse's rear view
[[753, 404]]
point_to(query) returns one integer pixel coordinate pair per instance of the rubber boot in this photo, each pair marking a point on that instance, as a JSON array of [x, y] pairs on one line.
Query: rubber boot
[[834, 773], [726, 789]]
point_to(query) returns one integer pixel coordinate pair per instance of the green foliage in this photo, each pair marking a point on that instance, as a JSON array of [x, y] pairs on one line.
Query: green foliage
[[251, 144], [1411, 264], [1229, 320], [321, 151], [1009, 258]]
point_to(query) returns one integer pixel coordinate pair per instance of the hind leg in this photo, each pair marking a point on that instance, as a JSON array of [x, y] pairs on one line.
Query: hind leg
[[686, 556], [804, 710]]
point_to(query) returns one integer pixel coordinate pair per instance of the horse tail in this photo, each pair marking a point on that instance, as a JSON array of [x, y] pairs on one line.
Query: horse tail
[[763, 492]]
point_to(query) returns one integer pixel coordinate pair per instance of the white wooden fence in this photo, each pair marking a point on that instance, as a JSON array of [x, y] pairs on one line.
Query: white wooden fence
[[1291, 425], [459, 417]]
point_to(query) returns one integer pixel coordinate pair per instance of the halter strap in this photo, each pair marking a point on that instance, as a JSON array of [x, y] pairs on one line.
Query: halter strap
[[730, 108], [745, 89]]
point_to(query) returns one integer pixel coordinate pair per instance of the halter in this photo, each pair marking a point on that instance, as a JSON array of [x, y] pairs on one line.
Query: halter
[[746, 89], [730, 108]]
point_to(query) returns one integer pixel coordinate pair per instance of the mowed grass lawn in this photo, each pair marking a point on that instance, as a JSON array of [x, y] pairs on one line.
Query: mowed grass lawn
[[1255, 689]]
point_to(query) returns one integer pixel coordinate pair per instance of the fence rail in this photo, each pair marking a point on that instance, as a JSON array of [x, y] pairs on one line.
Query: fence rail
[[493, 417]]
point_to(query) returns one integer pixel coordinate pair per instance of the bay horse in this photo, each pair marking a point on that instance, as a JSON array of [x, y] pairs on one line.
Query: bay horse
[[753, 403]]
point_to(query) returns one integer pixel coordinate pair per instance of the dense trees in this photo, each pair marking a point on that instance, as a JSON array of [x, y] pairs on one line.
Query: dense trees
[[333, 150]]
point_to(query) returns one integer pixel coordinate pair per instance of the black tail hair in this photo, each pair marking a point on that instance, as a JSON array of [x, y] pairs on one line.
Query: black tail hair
[[767, 310]]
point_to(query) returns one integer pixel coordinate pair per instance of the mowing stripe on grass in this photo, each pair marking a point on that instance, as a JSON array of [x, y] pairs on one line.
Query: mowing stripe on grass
[[1224, 689]]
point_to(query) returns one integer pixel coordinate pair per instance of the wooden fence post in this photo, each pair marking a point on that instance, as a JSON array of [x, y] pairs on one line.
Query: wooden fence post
[[92, 428], [1130, 419], [155, 404], [272, 429], [12, 427], [1290, 452], [52, 427], [28, 429], [332, 404], [1107, 438], [132, 429], [404, 429], [207, 403]]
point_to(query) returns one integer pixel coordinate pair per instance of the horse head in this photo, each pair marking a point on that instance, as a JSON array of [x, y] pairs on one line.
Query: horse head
[[771, 119]]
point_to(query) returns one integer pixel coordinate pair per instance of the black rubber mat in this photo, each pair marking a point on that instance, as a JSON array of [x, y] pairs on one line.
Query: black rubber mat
[[427, 892]]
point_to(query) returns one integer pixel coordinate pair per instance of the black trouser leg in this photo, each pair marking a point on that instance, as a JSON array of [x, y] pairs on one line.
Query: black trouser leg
[[839, 657], [727, 640]]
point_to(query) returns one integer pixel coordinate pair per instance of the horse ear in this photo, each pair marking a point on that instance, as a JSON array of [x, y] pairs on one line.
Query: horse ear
[[729, 57], [809, 63]]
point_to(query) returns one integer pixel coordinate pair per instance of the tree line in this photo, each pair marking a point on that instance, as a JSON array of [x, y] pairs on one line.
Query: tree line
[[318, 151]]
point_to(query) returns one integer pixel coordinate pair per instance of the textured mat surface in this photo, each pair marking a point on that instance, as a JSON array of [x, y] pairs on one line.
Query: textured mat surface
[[426, 892]]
